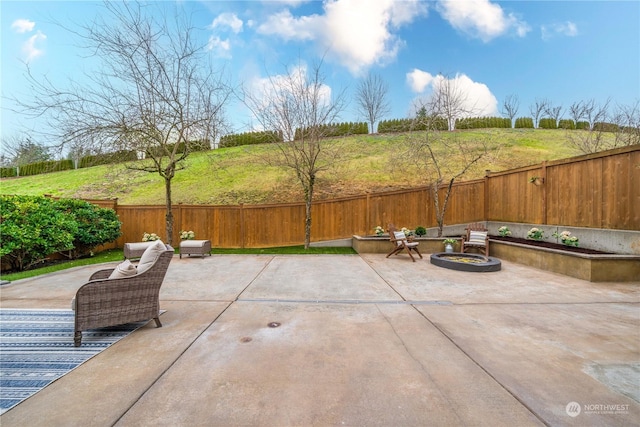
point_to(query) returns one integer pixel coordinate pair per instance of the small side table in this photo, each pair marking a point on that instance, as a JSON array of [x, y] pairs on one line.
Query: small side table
[[195, 247]]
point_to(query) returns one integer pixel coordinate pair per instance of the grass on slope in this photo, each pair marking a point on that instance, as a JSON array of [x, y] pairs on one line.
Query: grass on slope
[[240, 175]]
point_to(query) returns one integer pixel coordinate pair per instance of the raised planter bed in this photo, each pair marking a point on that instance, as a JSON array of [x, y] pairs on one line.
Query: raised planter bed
[[594, 267], [581, 263]]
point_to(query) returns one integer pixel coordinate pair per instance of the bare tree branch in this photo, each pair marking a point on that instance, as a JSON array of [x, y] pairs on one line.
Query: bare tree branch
[[155, 93], [299, 106], [371, 99]]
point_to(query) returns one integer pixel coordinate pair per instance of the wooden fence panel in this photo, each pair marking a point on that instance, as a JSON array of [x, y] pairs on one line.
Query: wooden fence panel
[[137, 220], [621, 191], [512, 198], [599, 190]]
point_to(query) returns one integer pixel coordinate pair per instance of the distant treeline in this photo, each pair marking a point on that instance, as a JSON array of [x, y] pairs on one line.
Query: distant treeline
[[329, 130], [91, 160]]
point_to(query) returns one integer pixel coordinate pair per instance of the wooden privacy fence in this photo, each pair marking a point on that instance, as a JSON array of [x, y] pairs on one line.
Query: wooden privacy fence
[[599, 190]]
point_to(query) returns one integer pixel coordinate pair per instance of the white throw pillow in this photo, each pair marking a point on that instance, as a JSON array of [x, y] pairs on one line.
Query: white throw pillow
[[124, 269], [150, 256], [477, 238]]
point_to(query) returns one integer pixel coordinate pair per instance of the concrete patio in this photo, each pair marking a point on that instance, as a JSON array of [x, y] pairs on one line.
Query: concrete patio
[[363, 341]]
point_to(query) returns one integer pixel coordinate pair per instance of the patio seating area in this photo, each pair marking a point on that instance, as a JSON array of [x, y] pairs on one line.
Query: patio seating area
[[299, 340]]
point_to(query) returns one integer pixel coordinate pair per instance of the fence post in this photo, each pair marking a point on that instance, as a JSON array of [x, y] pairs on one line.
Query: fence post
[[242, 240], [544, 191], [487, 199]]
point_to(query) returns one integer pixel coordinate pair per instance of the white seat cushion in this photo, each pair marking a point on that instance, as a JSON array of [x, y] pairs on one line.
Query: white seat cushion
[[192, 243], [150, 256]]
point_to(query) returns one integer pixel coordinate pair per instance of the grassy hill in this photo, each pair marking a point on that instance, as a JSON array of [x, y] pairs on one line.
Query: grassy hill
[[240, 175]]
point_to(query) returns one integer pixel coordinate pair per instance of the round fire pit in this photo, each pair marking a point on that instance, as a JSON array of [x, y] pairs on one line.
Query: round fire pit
[[466, 262]]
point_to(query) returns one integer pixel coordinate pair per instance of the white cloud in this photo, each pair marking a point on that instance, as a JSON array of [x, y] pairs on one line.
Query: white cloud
[[221, 48], [23, 25], [481, 19], [478, 99], [355, 33], [228, 20], [30, 49], [568, 29], [419, 80]]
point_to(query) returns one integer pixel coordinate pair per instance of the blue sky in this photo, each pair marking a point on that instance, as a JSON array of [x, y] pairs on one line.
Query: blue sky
[[563, 51]]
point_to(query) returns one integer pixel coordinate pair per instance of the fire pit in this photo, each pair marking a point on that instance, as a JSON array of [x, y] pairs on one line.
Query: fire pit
[[466, 262]]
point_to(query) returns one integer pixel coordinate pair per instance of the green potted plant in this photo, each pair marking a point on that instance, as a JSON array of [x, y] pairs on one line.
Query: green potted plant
[[420, 231], [448, 244]]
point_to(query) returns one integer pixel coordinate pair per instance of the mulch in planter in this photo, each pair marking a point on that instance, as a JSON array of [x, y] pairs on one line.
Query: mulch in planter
[[550, 245]]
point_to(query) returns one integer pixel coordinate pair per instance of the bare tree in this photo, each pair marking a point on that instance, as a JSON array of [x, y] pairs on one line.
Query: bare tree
[[371, 99], [627, 121], [553, 112], [576, 111], [19, 150], [510, 107], [536, 109], [595, 112], [442, 157], [299, 106], [450, 101], [156, 93], [596, 138]]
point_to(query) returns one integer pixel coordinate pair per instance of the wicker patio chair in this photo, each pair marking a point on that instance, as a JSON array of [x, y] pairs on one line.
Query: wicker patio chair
[[401, 243], [105, 301]]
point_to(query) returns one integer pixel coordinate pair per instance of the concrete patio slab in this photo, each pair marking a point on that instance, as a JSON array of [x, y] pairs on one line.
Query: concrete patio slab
[[360, 340]]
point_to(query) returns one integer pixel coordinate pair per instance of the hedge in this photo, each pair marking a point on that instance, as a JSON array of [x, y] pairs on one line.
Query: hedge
[[523, 123], [483, 123], [45, 167], [566, 124], [249, 138], [337, 129], [547, 123]]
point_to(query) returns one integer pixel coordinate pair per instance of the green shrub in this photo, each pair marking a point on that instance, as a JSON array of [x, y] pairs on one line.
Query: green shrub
[[566, 124], [420, 230], [45, 167], [583, 125], [107, 158], [95, 225], [524, 123], [333, 130], [32, 229], [483, 123], [249, 138], [547, 123], [605, 127], [7, 172]]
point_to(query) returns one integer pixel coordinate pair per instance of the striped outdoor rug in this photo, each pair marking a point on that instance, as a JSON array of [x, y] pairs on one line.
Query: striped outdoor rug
[[36, 348]]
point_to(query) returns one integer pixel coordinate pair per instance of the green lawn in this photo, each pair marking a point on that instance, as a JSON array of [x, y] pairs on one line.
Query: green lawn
[[240, 174]]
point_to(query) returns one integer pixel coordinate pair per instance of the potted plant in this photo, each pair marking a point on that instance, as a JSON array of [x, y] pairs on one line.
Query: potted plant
[[448, 244], [420, 231]]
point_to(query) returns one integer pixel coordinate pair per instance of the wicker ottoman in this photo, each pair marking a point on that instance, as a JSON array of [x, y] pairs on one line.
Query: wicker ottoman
[[135, 250], [195, 247]]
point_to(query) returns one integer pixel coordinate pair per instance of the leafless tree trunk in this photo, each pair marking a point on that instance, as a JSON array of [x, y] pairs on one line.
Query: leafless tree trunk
[[450, 101], [510, 107], [595, 138], [553, 112], [298, 106], [442, 157], [576, 111], [155, 92], [627, 119], [536, 109], [371, 99]]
